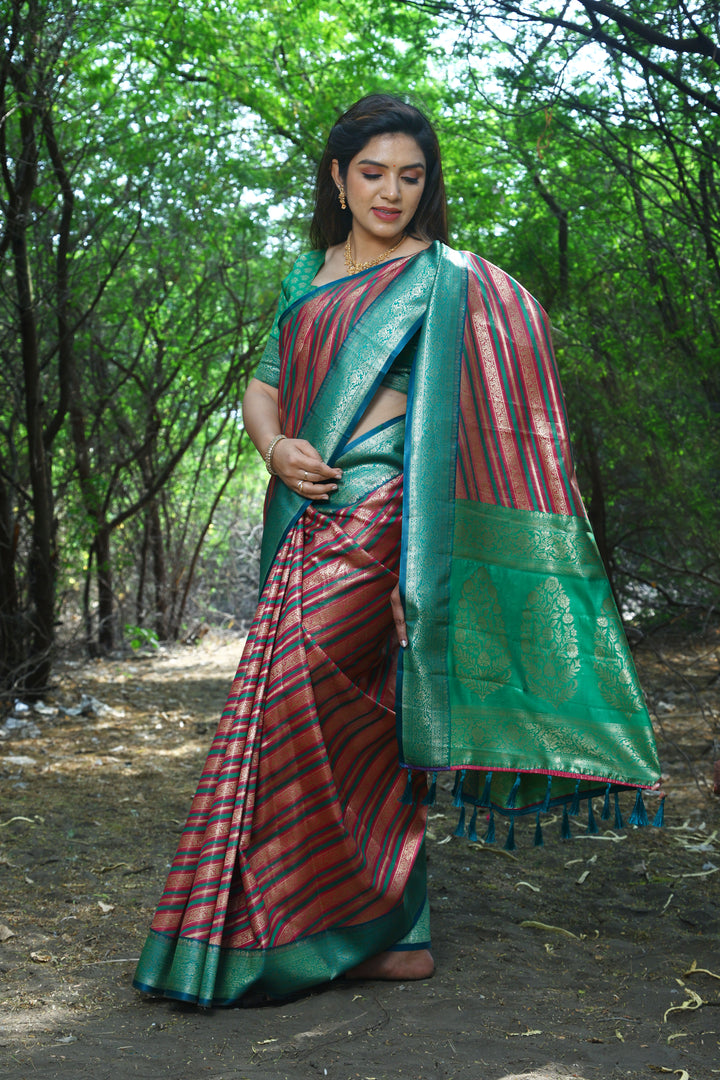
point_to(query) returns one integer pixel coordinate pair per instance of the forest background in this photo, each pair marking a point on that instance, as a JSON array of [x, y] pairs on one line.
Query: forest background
[[158, 168]]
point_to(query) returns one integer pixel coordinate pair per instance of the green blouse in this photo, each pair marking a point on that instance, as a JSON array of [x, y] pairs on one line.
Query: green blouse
[[296, 284]]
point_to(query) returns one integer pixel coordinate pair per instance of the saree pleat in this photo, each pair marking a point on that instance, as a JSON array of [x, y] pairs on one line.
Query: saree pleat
[[297, 858]]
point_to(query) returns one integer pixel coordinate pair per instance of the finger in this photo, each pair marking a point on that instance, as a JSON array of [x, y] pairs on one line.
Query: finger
[[398, 615], [318, 471], [309, 458], [312, 473], [311, 476], [308, 490], [298, 467]]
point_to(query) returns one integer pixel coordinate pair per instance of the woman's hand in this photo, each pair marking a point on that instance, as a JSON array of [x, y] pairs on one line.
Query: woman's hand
[[295, 461], [398, 616], [298, 464]]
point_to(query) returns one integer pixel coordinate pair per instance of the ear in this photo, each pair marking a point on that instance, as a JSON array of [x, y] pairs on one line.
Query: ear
[[335, 173]]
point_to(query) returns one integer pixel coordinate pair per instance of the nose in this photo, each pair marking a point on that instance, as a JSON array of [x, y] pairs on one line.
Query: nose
[[391, 187]]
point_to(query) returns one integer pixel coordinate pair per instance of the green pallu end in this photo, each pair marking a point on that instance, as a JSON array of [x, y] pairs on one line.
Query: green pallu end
[[531, 661], [210, 975]]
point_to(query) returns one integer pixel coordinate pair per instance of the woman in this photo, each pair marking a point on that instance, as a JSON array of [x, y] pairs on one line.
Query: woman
[[423, 496]]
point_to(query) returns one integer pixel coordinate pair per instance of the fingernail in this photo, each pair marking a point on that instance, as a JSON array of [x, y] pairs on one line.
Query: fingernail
[[334, 487], [324, 496], [403, 642]]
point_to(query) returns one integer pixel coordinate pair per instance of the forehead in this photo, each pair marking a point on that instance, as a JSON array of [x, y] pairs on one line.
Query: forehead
[[392, 149]]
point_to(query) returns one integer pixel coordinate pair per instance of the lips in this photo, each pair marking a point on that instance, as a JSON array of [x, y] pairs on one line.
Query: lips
[[385, 213]]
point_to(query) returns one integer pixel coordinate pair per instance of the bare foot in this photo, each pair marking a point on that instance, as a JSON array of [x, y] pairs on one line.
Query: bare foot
[[405, 964]]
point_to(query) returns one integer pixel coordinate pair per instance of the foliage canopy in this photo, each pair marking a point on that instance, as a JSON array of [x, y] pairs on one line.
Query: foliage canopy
[[157, 170]]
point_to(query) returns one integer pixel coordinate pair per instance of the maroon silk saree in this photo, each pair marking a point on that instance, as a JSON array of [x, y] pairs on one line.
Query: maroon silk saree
[[299, 858], [302, 854]]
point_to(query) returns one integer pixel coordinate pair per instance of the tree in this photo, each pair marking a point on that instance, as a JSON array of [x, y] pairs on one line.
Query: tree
[[142, 152], [591, 136]]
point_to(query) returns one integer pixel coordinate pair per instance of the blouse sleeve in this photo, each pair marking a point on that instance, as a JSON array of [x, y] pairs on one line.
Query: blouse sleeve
[[268, 370], [298, 281]]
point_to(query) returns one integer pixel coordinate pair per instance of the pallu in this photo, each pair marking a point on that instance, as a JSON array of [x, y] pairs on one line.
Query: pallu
[[302, 854]]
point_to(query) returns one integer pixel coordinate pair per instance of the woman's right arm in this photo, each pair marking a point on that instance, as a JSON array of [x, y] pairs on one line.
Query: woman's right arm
[[293, 460]]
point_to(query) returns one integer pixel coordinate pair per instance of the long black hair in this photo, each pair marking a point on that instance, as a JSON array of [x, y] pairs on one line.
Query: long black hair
[[378, 114]]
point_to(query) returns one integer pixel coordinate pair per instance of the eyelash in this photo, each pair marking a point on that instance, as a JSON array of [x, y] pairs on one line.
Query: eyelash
[[408, 179]]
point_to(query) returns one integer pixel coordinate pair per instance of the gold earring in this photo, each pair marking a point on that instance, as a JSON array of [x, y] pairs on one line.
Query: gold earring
[[343, 204]]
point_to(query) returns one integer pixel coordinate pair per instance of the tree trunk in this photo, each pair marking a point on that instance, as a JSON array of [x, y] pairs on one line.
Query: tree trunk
[[140, 605], [88, 636], [11, 635], [42, 556], [106, 620], [159, 570]]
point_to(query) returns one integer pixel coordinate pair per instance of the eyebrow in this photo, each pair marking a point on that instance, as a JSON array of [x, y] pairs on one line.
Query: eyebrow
[[382, 165]]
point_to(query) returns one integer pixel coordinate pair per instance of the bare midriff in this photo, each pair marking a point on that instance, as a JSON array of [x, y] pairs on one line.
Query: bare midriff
[[386, 405]]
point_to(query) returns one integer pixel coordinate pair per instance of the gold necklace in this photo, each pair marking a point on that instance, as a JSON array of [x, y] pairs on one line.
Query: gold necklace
[[355, 268]]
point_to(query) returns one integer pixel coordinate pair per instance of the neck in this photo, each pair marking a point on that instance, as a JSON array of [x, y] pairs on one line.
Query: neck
[[365, 246]]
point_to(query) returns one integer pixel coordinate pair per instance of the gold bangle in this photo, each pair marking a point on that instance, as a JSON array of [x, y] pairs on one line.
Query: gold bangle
[[268, 455]]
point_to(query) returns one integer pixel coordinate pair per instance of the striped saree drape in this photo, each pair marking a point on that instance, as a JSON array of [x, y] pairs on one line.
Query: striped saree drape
[[302, 854], [299, 858]]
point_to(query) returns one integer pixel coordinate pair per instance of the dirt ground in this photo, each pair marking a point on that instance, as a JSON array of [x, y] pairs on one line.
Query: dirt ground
[[595, 958]]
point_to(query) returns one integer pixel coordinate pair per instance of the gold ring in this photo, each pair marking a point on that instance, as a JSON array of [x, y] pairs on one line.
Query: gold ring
[[300, 485], [305, 473]]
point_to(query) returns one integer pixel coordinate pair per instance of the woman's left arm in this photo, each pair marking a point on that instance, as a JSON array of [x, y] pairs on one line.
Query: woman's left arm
[[295, 461]]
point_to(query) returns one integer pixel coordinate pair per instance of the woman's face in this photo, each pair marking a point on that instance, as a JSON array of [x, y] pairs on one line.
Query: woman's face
[[384, 185]]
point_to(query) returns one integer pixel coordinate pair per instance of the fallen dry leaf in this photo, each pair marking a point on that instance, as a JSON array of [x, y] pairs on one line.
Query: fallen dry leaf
[[693, 1002], [533, 925], [4, 824], [695, 970]]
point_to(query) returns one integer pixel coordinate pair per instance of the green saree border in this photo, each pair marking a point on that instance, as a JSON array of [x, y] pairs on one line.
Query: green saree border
[[210, 975], [384, 446], [429, 509]]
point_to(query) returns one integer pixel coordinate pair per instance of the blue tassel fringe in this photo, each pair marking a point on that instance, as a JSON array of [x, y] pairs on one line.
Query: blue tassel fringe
[[575, 804], [546, 801], [618, 816], [429, 799], [408, 799], [458, 789], [639, 815], [489, 837], [460, 828], [472, 827], [605, 816], [659, 819], [512, 796]]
